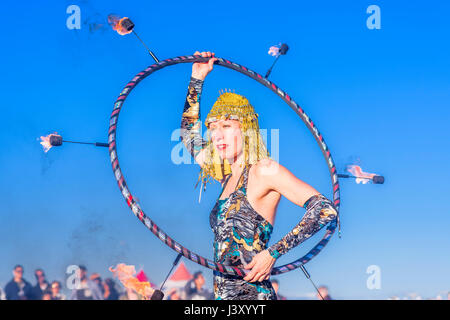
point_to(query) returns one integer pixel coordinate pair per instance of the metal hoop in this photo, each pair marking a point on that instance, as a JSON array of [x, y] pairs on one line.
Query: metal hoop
[[139, 213]]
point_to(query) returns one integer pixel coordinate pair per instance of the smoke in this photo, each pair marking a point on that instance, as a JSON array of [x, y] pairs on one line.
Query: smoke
[[95, 241], [350, 160], [46, 162], [96, 23], [342, 162], [94, 20]]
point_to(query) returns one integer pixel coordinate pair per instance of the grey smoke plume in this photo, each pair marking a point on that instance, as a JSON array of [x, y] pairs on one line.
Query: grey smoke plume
[[46, 162], [95, 239]]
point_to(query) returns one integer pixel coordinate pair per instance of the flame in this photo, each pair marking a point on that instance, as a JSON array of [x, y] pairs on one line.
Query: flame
[[117, 24], [274, 51], [46, 141], [125, 274], [363, 177]]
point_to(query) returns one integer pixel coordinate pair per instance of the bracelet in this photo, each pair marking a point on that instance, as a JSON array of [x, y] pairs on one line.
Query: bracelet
[[274, 253]]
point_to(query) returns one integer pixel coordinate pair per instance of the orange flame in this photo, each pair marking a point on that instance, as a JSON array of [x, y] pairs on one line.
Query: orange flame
[[117, 24], [46, 142], [363, 177], [125, 274]]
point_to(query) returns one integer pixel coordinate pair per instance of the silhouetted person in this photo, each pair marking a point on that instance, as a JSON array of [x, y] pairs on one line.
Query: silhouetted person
[[86, 288], [18, 288], [194, 288], [111, 292], [98, 280], [42, 286]]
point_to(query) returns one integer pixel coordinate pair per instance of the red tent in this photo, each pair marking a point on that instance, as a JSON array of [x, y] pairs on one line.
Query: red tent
[[181, 273], [179, 277], [142, 277]]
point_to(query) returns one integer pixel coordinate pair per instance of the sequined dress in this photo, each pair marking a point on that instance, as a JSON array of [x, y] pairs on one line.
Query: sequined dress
[[239, 234]]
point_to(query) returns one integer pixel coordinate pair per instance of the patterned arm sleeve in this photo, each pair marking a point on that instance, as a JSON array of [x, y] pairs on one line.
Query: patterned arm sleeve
[[190, 122], [319, 211]]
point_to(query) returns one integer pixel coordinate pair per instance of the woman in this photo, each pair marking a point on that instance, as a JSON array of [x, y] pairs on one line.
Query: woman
[[252, 184]]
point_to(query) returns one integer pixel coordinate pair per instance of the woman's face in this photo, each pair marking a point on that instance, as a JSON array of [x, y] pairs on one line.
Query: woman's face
[[226, 136]]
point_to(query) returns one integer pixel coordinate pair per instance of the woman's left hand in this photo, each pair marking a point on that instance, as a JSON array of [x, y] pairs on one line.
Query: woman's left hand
[[261, 267]]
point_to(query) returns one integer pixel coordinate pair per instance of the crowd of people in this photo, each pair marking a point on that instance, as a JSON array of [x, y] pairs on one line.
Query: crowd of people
[[93, 287], [88, 288]]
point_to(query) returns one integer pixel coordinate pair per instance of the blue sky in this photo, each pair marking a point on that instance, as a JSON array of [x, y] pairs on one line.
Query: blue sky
[[379, 97]]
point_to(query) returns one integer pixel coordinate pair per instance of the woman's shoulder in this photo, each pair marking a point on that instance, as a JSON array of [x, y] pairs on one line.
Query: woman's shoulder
[[266, 167], [265, 174]]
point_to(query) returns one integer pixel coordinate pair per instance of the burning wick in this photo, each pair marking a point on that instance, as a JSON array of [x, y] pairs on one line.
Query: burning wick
[[125, 274], [124, 26], [51, 140], [362, 176], [55, 140], [375, 179]]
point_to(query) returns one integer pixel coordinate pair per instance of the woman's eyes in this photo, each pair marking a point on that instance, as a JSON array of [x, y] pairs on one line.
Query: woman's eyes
[[225, 126]]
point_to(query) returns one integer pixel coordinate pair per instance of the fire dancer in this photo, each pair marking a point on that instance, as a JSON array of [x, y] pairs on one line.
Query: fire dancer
[[252, 185]]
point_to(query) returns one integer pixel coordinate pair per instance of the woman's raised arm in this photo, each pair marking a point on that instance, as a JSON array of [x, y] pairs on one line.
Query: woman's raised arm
[[190, 120]]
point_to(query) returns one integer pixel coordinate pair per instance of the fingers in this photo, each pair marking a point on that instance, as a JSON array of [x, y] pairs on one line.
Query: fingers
[[211, 61], [257, 276], [249, 276], [261, 278], [252, 276], [264, 275], [205, 54], [258, 272]]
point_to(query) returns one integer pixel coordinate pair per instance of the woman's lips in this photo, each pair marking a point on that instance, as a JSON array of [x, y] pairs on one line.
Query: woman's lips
[[221, 147]]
